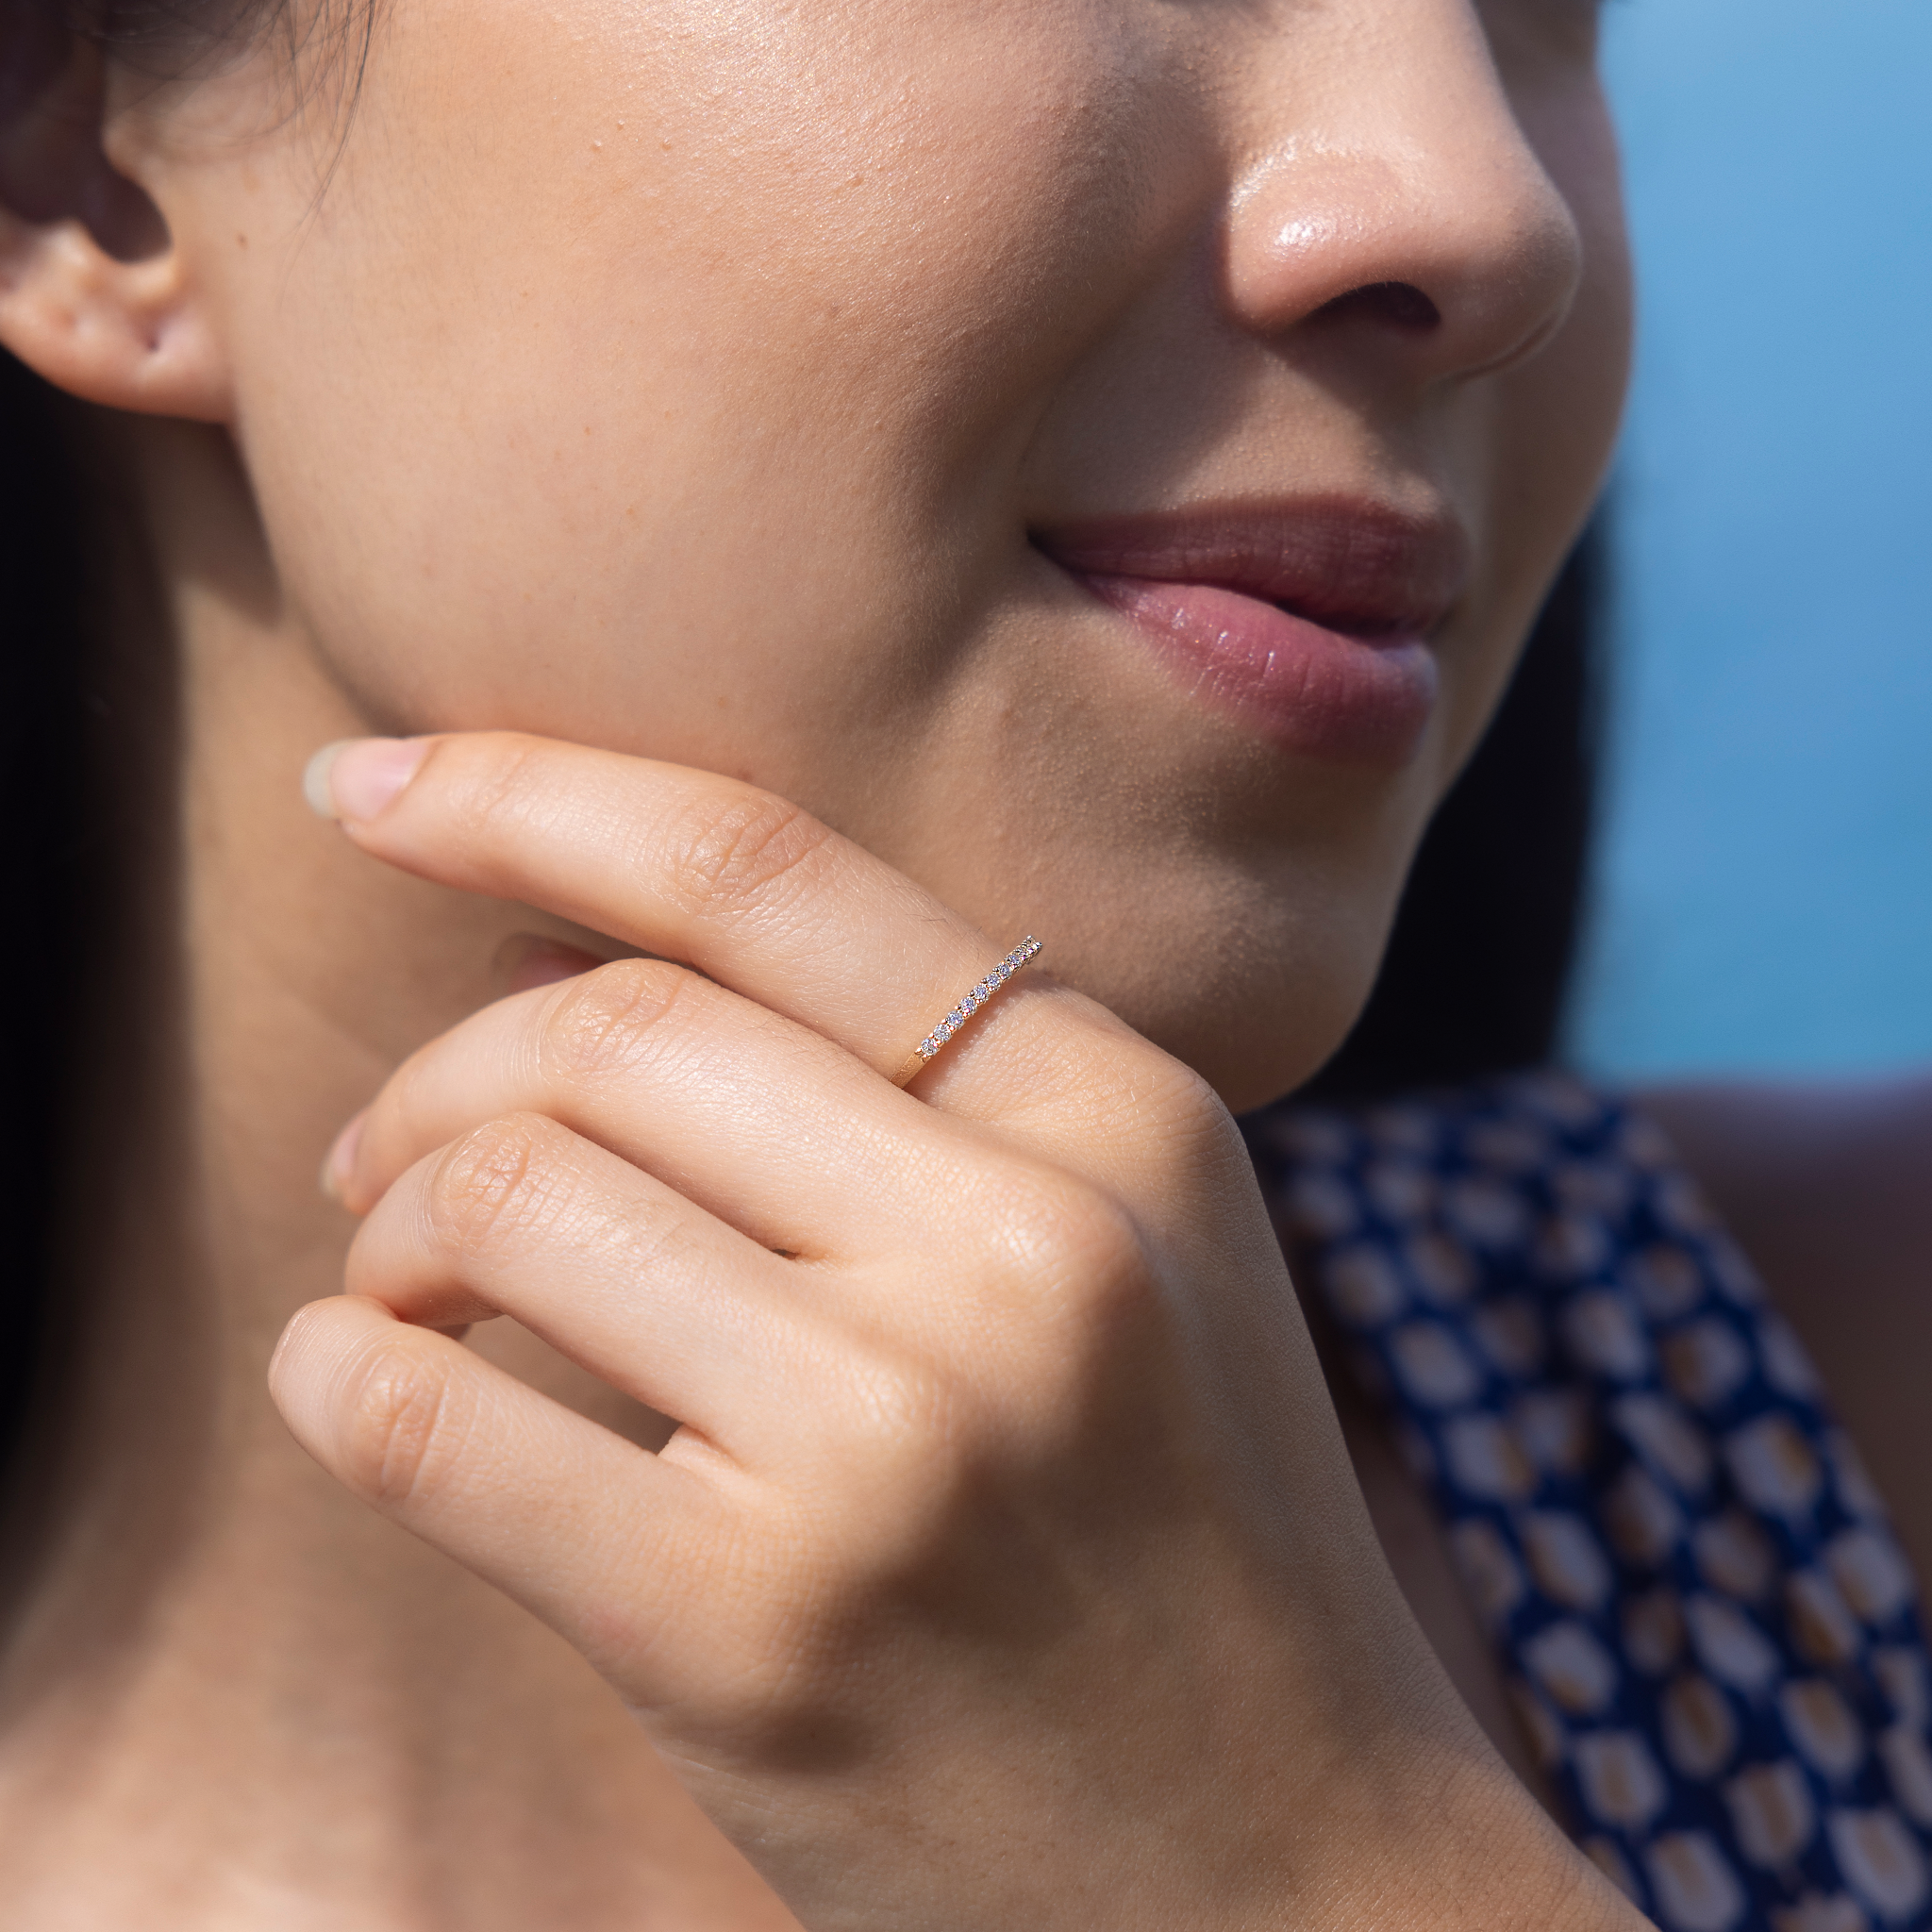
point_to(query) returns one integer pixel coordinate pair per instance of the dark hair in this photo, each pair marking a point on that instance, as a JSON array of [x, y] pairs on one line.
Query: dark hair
[[42, 798]]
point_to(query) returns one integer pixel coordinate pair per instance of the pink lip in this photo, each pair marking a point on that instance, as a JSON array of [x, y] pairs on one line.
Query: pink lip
[[1344, 671]]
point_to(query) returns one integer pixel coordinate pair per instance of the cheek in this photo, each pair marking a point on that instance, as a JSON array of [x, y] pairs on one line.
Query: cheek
[[1561, 413], [1554, 426], [646, 355]]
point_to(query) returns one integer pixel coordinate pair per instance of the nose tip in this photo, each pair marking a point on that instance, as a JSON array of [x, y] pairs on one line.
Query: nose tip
[[1457, 255]]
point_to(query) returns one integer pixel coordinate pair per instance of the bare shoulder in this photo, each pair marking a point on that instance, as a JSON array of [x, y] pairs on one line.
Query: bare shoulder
[[1829, 1189]]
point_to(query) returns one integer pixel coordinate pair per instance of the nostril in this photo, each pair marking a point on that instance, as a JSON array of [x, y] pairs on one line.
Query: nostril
[[1400, 304]]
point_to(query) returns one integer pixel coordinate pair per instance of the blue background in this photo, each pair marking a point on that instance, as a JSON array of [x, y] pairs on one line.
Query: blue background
[[1764, 891]]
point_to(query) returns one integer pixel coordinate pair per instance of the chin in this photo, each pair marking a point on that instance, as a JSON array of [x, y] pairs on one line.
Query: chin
[[1256, 1012], [1279, 1052]]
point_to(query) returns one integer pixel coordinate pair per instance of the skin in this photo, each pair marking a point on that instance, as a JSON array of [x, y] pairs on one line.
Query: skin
[[695, 417]]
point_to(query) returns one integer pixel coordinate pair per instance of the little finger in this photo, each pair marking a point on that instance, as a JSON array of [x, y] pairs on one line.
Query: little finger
[[603, 1541]]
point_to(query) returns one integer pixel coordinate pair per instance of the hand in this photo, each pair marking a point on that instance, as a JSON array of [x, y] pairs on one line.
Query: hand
[[1006, 1568]]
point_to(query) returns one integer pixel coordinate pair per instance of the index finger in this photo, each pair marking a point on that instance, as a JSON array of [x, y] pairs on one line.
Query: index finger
[[743, 885]]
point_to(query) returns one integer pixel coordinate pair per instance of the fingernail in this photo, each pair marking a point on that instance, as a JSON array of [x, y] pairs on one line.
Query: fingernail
[[356, 778], [339, 1163]]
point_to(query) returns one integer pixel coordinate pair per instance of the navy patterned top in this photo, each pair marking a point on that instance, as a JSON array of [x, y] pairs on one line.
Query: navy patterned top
[[1709, 1631]]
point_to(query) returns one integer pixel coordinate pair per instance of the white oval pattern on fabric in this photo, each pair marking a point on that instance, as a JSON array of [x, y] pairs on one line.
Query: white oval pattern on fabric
[[1734, 1554], [1486, 1458], [1855, 1485], [1666, 1438], [1700, 1732], [1540, 1724], [1695, 1888], [1573, 1248], [1434, 1366], [1730, 1647], [1904, 1676], [1771, 1806], [1577, 1672], [1622, 1784], [1786, 1366], [1553, 1426], [1404, 1129], [1822, 1726], [1593, 1188], [1565, 1559], [1439, 1269], [1870, 1572], [1665, 1280], [1706, 1363], [1774, 1466], [1365, 1286], [1909, 1761], [1508, 1146], [1823, 1629], [1399, 1190], [1644, 1524], [1485, 1213], [1512, 1334], [1882, 1859], [1324, 1204]]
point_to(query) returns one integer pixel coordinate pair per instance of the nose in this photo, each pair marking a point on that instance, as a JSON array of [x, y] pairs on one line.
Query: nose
[[1403, 215]]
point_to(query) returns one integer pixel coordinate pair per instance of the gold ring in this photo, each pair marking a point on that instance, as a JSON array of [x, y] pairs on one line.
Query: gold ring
[[922, 1054]]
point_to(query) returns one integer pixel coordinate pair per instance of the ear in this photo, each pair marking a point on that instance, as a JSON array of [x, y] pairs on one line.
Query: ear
[[93, 291]]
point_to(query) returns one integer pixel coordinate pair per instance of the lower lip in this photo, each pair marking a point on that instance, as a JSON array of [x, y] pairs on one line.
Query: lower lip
[[1314, 691]]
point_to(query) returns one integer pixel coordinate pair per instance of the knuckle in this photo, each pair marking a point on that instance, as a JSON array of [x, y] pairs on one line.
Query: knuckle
[[1068, 1236], [598, 1023], [1171, 1135], [493, 778], [1194, 1131], [1087, 1316], [1067, 1279], [400, 1427], [727, 856], [1191, 1100], [496, 1181], [502, 768]]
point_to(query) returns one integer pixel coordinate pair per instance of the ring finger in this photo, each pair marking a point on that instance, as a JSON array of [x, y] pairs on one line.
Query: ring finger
[[613, 1269]]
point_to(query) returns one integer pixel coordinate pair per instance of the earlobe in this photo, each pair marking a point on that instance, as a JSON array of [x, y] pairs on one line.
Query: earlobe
[[93, 292]]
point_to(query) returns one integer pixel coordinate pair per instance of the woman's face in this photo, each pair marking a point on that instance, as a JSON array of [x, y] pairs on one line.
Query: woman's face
[[1101, 455]]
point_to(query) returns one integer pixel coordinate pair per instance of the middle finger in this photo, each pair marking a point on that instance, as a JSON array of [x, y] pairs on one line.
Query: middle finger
[[755, 1120]]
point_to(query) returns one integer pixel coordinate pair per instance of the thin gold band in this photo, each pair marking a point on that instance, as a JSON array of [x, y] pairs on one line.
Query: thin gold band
[[922, 1054]]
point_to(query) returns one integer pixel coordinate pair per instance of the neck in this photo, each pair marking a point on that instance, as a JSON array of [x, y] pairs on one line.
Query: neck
[[230, 1695]]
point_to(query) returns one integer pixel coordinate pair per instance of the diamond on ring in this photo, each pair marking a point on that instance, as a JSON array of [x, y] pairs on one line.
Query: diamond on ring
[[977, 998]]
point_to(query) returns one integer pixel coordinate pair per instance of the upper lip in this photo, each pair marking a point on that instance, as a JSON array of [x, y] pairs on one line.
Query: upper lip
[[1349, 564]]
